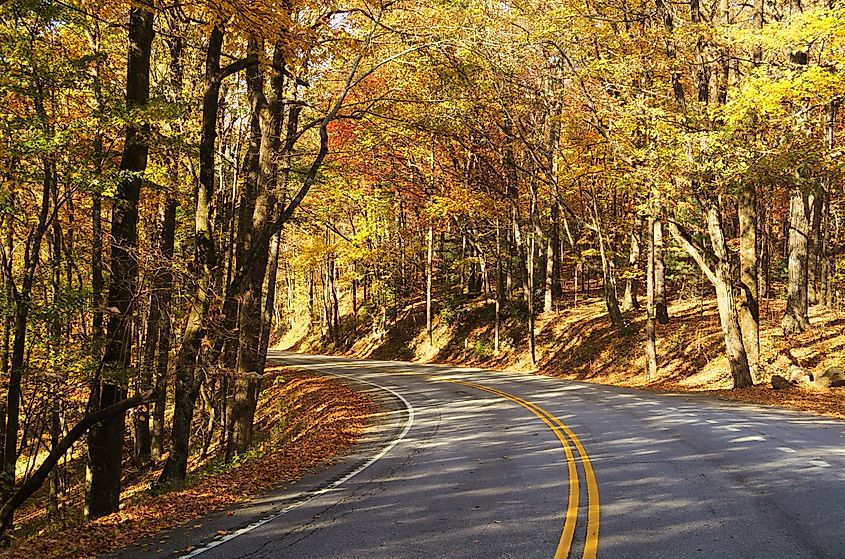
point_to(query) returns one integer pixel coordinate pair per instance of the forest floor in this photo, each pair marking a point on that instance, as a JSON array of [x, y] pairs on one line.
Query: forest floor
[[303, 420], [578, 343]]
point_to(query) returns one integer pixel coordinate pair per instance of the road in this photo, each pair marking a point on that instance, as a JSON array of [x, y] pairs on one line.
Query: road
[[470, 463]]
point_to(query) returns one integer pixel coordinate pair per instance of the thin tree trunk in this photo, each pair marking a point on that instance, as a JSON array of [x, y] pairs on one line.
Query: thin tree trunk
[[661, 307], [269, 300], [651, 311], [548, 291], [165, 295], [428, 284], [532, 342], [609, 275], [632, 282], [500, 290], [749, 303], [814, 246]]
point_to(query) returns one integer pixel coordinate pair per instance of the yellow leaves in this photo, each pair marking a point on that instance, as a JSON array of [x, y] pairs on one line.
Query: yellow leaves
[[815, 27], [785, 96], [459, 200]]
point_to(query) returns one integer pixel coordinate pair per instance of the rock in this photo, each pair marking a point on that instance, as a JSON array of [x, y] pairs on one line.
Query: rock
[[780, 383], [799, 375], [831, 378]]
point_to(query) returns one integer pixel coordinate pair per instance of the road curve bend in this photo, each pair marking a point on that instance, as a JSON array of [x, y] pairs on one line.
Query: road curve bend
[[484, 464]]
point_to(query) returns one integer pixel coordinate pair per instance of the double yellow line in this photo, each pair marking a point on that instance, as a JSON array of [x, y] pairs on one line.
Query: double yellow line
[[564, 435]]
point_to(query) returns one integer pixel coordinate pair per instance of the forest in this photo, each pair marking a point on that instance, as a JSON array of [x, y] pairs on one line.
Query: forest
[[180, 183]]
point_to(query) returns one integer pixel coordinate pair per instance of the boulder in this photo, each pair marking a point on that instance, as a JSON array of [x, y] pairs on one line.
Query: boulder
[[830, 378], [780, 383], [799, 375]]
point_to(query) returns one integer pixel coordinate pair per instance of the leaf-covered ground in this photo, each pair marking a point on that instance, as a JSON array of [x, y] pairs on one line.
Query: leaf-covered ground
[[577, 342], [303, 420]]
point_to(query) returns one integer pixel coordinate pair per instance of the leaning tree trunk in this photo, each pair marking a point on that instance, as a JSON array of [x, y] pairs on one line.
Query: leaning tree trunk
[[720, 275], [795, 320], [269, 316], [609, 275], [105, 439], [725, 299]]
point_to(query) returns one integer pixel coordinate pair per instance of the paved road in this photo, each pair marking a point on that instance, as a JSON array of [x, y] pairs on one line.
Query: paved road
[[477, 464]]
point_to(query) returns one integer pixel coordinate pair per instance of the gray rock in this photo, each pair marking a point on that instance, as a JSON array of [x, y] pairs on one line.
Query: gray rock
[[799, 375], [831, 378], [780, 383]]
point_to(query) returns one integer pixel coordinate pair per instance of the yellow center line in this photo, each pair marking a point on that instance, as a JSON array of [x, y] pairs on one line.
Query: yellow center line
[[570, 518]]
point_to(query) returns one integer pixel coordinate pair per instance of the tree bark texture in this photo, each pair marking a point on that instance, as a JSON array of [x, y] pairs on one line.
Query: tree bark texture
[[105, 439], [629, 300], [795, 320], [749, 301]]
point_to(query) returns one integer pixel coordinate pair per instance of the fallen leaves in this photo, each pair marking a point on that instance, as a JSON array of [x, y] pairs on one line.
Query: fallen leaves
[[303, 422]]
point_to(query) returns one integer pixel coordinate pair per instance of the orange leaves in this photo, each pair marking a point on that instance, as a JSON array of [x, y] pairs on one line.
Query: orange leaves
[[308, 420]]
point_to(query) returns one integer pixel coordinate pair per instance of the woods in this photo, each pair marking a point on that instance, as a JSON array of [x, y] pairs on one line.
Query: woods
[[181, 185]]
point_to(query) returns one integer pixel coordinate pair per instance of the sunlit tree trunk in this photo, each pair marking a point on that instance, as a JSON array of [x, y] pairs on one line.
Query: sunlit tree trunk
[[719, 273], [749, 302], [429, 279], [632, 282], [661, 308], [651, 311], [795, 320]]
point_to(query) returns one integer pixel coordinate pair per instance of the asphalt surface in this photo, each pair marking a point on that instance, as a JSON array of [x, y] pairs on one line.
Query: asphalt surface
[[455, 470]]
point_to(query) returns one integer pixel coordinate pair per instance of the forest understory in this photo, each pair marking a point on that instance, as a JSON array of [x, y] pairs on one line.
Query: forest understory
[[303, 420], [479, 183], [577, 342]]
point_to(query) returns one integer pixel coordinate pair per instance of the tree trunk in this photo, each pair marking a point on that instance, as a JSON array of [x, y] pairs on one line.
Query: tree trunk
[[205, 260], [795, 320], [5, 360], [748, 304], [720, 275], [725, 299], [629, 300], [608, 273], [249, 368], [164, 288], [532, 342], [661, 307], [429, 275], [814, 247], [548, 298], [651, 312], [105, 439], [269, 300], [500, 290]]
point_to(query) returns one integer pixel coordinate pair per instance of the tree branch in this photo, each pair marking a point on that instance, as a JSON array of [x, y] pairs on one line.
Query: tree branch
[[685, 240], [31, 485]]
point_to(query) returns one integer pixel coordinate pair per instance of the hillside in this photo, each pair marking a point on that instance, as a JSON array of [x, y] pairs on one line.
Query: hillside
[[578, 343]]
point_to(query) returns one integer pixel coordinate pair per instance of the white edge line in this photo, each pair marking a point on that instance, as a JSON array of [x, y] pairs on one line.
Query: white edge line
[[331, 487]]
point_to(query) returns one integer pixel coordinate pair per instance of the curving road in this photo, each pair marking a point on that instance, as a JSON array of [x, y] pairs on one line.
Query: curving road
[[468, 463]]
